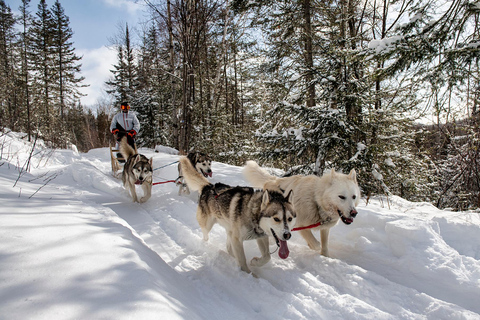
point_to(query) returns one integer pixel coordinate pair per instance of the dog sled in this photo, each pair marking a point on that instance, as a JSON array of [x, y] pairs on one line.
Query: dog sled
[[115, 160]]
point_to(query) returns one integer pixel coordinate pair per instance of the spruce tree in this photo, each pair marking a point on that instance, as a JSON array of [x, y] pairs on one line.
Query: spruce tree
[[8, 89], [122, 85], [25, 79], [41, 59], [66, 62]]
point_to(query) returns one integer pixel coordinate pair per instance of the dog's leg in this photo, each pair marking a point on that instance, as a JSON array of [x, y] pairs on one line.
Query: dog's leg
[[229, 244], [311, 241], [147, 192], [265, 252], [182, 186], [324, 238], [205, 222], [131, 186], [239, 252]]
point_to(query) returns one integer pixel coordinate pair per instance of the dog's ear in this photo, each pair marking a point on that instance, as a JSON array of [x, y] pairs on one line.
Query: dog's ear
[[137, 158], [352, 175], [266, 198], [333, 173], [150, 161], [289, 196]]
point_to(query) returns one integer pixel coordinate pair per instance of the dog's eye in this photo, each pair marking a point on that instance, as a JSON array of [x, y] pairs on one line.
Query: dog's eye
[[354, 197], [290, 219], [276, 219], [342, 197]]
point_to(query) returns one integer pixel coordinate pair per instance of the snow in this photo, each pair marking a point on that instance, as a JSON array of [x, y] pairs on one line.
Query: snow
[[74, 246], [380, 45]]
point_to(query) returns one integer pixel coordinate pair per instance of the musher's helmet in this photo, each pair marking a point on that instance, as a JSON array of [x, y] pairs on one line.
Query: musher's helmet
[[125, 106]]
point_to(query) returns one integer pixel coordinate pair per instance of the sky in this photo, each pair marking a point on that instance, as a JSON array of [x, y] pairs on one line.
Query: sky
[[94, 23], [74, 246]]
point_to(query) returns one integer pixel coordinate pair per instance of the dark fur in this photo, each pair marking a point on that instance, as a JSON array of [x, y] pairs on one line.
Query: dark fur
[[244, 212], [136, 171]]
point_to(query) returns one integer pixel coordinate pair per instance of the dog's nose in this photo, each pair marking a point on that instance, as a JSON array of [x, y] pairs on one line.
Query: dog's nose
[[353, 213], [287, 235]]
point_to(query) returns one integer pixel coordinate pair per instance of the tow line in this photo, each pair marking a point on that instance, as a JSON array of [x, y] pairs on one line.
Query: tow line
[[165, 165], [164, 182], [168, 181], [308, 227]]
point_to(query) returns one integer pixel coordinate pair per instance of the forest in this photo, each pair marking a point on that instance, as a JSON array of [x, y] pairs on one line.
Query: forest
[[301, 85]]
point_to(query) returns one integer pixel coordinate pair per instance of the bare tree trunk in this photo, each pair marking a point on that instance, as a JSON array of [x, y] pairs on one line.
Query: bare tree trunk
[[308, 53], [175, 137]]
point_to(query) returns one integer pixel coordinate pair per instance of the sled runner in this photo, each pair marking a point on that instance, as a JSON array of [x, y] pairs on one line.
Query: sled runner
[[115, 160]]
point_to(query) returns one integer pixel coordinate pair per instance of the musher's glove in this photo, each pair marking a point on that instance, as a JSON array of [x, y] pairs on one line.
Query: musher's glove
[[115, 131], [132, 133]]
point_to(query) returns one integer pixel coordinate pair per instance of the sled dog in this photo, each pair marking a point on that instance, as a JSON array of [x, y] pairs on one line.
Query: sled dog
[[245, 213], [136, 171], [320, 202], [201, 162]]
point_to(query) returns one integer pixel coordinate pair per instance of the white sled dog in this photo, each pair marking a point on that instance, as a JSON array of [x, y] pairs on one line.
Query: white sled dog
[[136, 171], [319, 201], [245, 214], [201, 162]]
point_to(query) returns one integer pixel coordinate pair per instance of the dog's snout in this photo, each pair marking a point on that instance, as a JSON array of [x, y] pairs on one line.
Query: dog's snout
[[287, 235], [353, 213]]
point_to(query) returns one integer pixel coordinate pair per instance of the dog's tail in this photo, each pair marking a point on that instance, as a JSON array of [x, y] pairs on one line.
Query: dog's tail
[[195, 181], [125, 149], [257, 176]]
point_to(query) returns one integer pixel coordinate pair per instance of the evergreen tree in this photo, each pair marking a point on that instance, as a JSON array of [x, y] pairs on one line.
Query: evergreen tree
[[152, 92], [41, 59], [8, 90], [124, 81], [24, 74], [66, 62]]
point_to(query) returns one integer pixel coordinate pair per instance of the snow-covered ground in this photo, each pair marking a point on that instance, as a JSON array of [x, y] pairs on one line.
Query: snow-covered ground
[[74, 246]]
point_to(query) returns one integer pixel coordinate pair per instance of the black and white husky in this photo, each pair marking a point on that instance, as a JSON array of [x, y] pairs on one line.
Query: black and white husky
[[201, 162], [245, 213], [136, 171]]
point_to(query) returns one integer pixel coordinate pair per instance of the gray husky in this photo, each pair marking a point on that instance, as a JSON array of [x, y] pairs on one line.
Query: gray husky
[[136, 171], [245, 213], [201, 162], [320, 202]]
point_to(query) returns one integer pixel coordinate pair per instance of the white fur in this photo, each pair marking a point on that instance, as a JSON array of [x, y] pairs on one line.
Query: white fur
[[316, 199]]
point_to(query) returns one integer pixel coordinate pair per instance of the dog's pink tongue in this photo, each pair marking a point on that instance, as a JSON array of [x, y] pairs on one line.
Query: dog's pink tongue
[[283, 252], [210, 174]]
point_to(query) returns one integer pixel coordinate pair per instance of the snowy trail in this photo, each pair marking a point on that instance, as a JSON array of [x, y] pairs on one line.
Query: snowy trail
[[359, 282], [409, 261]]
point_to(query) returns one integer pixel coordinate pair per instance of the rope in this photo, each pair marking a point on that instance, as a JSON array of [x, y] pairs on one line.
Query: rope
[[165, 165], [163, 182], [308, 227]]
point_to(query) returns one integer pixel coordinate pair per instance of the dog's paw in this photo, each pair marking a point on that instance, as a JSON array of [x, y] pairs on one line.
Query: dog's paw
[[315, 246], [144, 199], [258, 262]]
